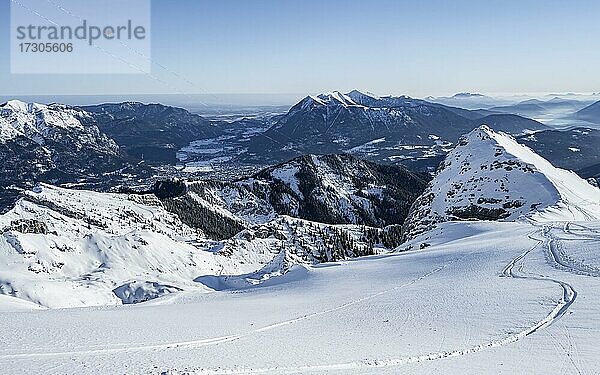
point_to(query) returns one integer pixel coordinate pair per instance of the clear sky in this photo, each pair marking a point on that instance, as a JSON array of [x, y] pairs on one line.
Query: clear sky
[[418, 48]]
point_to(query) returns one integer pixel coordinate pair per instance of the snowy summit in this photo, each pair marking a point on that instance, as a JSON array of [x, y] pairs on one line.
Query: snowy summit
[[489, 176]]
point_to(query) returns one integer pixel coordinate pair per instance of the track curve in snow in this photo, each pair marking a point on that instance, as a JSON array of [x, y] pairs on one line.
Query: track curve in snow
[[513, 270]]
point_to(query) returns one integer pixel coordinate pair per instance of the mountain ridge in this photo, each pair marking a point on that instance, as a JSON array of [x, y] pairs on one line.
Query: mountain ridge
[[336, 122], [590, 113], [489, 176]]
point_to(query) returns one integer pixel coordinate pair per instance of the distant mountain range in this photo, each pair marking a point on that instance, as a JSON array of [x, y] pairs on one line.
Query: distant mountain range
[[468, 100], [107, 146], [383, 129], [152, 132], [590, 113], [536, 108]]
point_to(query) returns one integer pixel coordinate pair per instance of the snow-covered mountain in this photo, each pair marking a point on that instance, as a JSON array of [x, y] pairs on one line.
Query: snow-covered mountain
[[489, 176], [48, 124], [339, 189], [37, 122], [384, 129], [51, 143], [332, 189], [69, 248]]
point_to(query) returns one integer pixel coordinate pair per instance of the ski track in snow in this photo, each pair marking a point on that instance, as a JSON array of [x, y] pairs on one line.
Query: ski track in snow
[[515, 269], [567, 299], [560, 260], [225, 339]]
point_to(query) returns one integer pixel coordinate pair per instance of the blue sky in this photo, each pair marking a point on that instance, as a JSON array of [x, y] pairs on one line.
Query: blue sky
[[416, 48]]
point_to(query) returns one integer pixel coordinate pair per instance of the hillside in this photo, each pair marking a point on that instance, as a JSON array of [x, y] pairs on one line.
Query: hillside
[[332, 189], [489, 176], [383, 129], [573, 149], [154, 132], [590, 113]]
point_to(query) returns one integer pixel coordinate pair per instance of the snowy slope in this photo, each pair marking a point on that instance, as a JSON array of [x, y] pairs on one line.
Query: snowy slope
[[36, 121], [63, 248], [489, 176], [232, 200], [69, 248], [483, 299]]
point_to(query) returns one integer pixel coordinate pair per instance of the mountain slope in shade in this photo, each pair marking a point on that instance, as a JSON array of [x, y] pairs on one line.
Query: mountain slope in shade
[[383, 129], [154, 131], [339, 189], [574, 149], [489, 176], [511, 124], [51, 143], [590, 113], [592, 173], [332, 189]]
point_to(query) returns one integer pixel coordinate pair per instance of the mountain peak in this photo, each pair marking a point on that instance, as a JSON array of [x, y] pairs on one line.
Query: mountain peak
[[333, 98], [337, 98], [362, 98], [489, 176], [35, 121], [16, 105]]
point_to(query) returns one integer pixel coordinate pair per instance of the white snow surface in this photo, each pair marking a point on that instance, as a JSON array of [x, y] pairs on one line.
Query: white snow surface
[[484, 298], [287, 175], [519, 296], [35, 121], [69, 248], [62, 248]]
